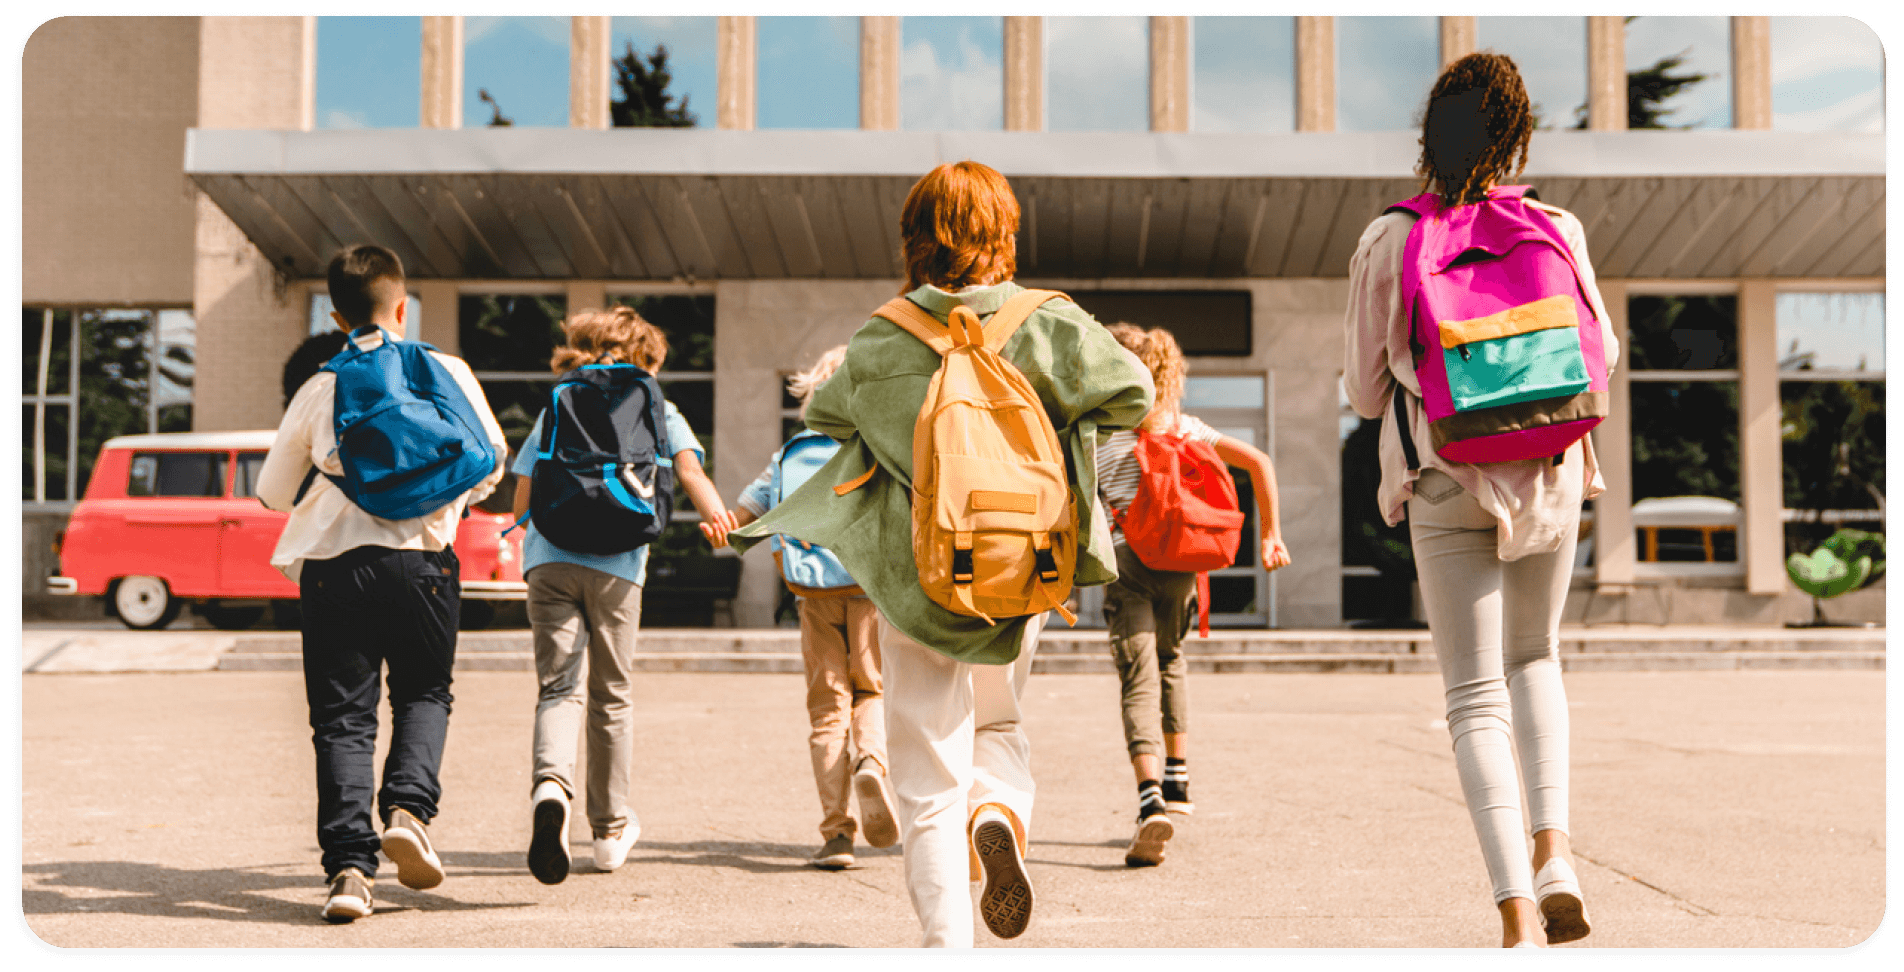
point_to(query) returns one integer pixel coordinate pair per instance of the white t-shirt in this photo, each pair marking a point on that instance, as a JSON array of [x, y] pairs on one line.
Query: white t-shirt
[[1117, 472]]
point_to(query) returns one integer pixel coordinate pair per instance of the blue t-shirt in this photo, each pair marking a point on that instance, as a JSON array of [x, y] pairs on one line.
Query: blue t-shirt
[[631, 566]]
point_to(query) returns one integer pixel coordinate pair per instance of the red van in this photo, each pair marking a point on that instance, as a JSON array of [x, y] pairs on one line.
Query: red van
[[173, 517]]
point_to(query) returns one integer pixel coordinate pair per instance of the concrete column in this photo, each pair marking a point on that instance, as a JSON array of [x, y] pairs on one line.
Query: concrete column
[[1752, 72], [307, 76], [1024, 74], [1606, 74], [736, 67], [441, 324], [442, 102], [1457, 39], [879, 73], [1169, 74], [1761, 454], [589, 70], [1614, 548], [1315, 74]]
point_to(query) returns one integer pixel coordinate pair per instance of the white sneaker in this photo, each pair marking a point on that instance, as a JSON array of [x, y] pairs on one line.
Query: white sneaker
[[612, 851], [876, 817], [549, 838], [1563, 913]]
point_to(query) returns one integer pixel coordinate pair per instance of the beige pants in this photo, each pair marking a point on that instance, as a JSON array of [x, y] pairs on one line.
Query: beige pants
[[585, 622], [839, 644], [1148, 612], [953, 731]]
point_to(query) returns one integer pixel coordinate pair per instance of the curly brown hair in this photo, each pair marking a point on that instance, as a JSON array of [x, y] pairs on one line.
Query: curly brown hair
[[958, 228], [1159, 351], [1476, 129], [617, 334]]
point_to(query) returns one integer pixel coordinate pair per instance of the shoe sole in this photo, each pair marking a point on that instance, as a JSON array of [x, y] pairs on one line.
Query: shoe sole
[[417, 868], [1565, 918], [1147, 850], [880, 829], [1005, 903], [832, 863], [549, 843], [343, 911], [1186, 808]]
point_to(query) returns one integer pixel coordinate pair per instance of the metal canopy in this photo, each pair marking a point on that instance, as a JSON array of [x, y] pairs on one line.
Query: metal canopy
[[656, 204]]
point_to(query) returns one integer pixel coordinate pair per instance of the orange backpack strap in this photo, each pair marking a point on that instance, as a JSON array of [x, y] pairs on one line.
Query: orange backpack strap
[[914, 320], [1015, 311]]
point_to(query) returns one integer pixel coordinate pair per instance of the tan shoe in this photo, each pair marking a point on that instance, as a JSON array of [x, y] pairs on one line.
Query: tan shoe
[[1563, 913], [998, 840], [349, 897], [407, 845], [878, 824]]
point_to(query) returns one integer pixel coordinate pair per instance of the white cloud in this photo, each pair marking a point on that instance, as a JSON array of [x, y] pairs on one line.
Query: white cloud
[[965, 94], [339, 118], [551, 30], [1804, 47], [1862, 112], [1097, 72]]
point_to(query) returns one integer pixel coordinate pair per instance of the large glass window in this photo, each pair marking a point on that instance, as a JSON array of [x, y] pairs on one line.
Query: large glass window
[[683, 48], [1827, 75], [1551, 53], [1243, 74], [321, 320], [808, 72], [1683, 352], [952, 73], [369, 72], [1384, 68], [1831, 398], [516, 71], [1097, 74], [1679, 72]]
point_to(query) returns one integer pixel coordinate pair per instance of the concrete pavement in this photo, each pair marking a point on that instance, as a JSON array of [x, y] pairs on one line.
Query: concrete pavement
[[1711, 809]]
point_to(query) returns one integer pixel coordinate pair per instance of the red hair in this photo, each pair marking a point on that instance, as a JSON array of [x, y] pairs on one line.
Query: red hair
[[958, 228]]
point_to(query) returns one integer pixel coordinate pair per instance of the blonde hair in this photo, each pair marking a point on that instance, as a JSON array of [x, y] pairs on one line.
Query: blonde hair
[[617, 333], [803, 384], [1159, 352]]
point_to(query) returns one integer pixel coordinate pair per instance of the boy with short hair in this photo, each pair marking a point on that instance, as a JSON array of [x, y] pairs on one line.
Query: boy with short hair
[[374, 593]]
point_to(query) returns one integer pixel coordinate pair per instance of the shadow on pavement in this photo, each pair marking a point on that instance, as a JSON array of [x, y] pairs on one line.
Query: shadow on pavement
[[230, 894], [753, 857]]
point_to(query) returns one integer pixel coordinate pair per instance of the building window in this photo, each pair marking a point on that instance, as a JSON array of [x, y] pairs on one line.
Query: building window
[[516, 71], [952, 73], [1384, 68], [90, 375], [1551, 53], [1097, 74], [1243, 74], [808, 72], [1831, 399], [1206, 323], [1679, 72], [369, 72], [321, 321], [1684, 379], [690, 60], [1827, 76]]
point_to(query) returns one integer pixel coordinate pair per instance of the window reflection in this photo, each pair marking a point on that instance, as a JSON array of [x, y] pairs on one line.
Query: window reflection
[[1384, 68], [369, 72], [808, 72], [1097, 74], [1830, 331], [1551, 53], [515, 71], [690, 61], [952, 73], [1243, 74], [1827, 75], [1679, 72]]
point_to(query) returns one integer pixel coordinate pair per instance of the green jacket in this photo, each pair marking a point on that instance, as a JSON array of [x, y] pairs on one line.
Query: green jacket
[[1090, 387]]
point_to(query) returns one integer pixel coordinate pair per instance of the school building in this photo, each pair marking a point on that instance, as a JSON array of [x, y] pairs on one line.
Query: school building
[[183, 193]]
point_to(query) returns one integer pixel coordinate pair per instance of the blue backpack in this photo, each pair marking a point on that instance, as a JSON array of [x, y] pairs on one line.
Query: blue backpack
[[604, 472], [409, 439], [810, 571]]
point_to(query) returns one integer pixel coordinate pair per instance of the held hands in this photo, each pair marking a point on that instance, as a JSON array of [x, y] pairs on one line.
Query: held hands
[[1275, 554], [716, 527]]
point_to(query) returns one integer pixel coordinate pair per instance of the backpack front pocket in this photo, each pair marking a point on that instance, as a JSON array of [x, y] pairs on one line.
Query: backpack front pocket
[[1522, 354]]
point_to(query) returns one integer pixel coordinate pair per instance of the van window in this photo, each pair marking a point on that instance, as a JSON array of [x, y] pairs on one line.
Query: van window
[[177, 474], [249, 465]]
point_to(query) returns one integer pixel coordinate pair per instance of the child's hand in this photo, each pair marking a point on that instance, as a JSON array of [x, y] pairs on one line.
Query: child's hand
[[716, 527], [1274, 553]]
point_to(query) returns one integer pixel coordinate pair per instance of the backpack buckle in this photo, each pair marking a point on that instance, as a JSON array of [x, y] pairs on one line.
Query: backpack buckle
[[962, 569]]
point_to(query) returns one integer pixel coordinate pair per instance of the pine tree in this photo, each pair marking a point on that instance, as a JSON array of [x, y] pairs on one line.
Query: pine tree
[[643, 101]]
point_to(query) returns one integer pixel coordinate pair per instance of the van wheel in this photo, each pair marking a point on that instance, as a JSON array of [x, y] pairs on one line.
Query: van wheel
[[476, 615], [231, 618], [144, 603]]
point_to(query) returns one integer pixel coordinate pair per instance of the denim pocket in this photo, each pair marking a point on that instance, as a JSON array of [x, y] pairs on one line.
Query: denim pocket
[[1436, 487]]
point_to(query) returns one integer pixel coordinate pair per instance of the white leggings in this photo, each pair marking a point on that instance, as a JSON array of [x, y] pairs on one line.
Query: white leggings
[[1496, 628]]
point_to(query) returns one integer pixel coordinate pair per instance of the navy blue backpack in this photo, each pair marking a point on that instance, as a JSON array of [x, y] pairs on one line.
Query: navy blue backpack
[[408, 438], [604, 473]]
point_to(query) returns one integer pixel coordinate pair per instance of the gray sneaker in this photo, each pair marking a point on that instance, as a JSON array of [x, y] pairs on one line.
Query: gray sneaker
[[407, 845], [834, 855], [349, 899]]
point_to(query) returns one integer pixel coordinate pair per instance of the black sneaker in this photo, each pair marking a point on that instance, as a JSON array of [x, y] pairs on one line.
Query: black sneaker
[[1177, 788], [349, 899], [407, 845]]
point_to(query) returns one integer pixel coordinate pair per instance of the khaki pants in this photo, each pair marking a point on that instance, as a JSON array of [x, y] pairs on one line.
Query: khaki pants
[[585, 622], [839, 645], [1148, 612]]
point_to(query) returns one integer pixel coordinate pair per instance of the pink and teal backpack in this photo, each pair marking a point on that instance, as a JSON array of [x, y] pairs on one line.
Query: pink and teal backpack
[[1507, 349]]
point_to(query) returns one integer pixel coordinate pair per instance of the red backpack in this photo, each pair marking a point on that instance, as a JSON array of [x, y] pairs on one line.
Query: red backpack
[[1185, 517]]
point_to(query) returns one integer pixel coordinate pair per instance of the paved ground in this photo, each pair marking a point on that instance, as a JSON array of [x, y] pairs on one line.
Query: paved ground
[[1712, 809]]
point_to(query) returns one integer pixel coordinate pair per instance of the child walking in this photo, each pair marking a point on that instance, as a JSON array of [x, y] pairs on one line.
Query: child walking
[[1148, 611], [585, 612], [961, 762], [839, 648]]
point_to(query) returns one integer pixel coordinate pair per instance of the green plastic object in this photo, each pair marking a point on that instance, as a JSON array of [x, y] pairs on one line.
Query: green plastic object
[[1850, 559]]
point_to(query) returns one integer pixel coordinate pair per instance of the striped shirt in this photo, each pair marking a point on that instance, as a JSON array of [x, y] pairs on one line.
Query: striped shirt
[[1117, 472]]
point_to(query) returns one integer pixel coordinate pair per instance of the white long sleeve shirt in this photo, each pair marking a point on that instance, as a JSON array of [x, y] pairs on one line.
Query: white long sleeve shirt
[[327, 524]]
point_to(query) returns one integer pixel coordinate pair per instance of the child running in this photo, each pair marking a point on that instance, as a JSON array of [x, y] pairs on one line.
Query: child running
[[1148, 611], [585, 611], [839, 647]]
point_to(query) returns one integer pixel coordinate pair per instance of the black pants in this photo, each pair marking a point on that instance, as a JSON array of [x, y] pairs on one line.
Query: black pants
[[364, 609]]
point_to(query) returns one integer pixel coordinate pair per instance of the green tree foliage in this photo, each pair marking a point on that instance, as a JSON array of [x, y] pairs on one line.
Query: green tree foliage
[[1647, 91], [114, 380], [643, 99], [1833, 434], [496, 118]]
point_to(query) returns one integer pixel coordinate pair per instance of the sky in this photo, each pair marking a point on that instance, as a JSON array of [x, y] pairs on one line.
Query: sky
[[1827, 71], [1839, 330]]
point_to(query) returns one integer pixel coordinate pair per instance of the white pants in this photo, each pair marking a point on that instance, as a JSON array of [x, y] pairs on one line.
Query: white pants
[[1496, 628], [954, 742]]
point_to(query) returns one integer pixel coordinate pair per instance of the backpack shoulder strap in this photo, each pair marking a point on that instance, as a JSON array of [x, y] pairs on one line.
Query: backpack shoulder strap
[[914, 320], [1014, 313], [1420, 206]]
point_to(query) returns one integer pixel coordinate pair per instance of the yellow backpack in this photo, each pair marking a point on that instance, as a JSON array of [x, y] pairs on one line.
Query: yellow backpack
[[994, 529]]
